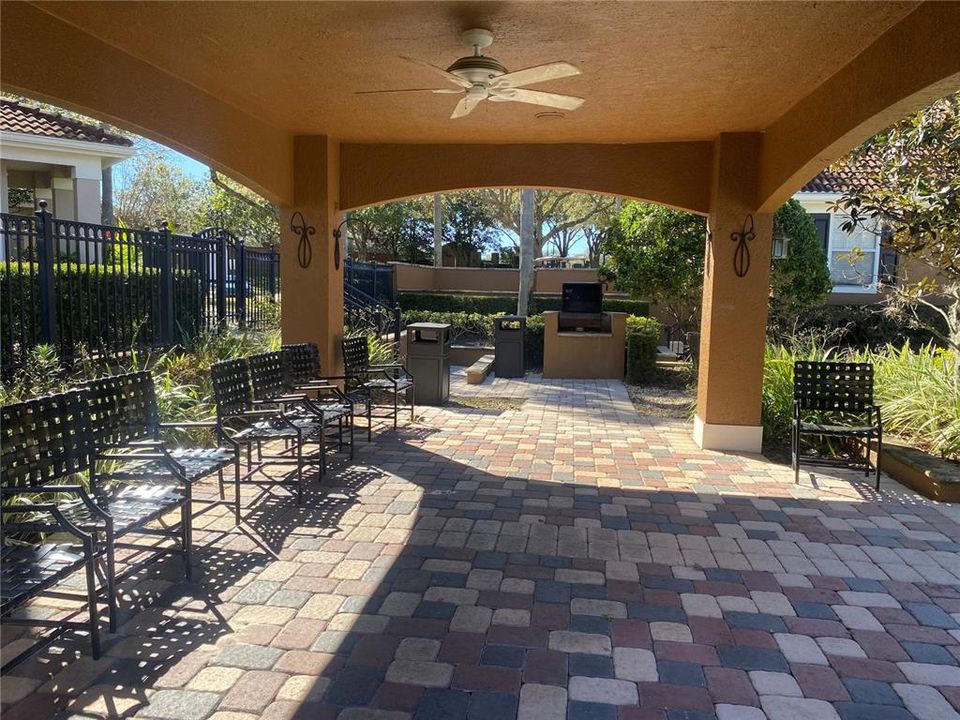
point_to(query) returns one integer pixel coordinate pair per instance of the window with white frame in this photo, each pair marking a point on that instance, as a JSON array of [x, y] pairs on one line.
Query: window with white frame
[[853, 258]]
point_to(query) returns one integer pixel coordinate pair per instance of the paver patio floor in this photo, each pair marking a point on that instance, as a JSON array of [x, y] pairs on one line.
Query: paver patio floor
[[567, 559]]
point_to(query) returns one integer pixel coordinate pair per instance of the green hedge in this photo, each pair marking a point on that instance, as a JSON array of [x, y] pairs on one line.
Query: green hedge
[[643, 336], [104, 306], [503, 304]]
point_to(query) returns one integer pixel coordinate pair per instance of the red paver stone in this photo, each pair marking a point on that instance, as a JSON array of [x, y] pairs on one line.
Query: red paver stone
[[394, 696], [819, 682], [686, 652], [461, 648], [753, 638], [374, 650], [866, 669], [880, 645], [678, 697], [551, 616], [729, 685], [486, 677], [631, 633], [545, 667], [298, 634], [710, 631]]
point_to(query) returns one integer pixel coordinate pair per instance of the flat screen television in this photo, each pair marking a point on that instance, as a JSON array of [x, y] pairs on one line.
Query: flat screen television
[[582, 297]]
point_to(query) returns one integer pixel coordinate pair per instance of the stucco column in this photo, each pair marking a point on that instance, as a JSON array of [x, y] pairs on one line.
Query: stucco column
[[734, 321], [312, 302]]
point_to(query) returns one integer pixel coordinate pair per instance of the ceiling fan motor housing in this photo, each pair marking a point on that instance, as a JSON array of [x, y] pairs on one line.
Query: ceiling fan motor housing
[[478, 69]]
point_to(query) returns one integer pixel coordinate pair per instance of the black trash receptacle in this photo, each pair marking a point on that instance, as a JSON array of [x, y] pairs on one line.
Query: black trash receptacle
[[428, 360], [508, 343]]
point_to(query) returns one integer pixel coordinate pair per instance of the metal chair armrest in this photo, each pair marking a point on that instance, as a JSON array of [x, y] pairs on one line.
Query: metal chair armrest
[[61, 521]]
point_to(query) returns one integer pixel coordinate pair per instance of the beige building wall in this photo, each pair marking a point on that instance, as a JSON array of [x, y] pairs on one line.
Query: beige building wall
[[547, 281]]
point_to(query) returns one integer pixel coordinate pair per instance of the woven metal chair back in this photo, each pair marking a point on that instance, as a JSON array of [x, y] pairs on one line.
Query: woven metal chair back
[[231, 387], [356, 355], [301, 363], [833, 386], [123, 408], [44, 439], [266, 375]]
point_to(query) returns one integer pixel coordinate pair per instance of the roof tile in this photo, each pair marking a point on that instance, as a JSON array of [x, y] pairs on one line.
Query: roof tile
[[20, 118]]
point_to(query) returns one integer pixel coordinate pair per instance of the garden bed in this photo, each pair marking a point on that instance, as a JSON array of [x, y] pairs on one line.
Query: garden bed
[[931, 476]]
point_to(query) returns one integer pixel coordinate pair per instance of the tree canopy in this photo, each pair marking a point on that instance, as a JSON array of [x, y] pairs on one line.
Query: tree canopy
[[911, 191], [656, 253]]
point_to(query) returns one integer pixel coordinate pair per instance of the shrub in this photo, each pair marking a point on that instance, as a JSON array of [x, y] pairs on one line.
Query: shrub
[[100, 306], [533, 343], [919, 395], [866, 326], [466, 325], [503, 304], [643, 336], [918, 391]]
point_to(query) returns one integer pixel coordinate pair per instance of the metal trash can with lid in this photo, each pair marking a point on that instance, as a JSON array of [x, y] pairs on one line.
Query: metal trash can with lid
[[508, 346], [428, 360]]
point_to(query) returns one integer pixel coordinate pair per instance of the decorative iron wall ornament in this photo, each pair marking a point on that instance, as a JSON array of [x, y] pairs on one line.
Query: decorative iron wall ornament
[[298, 224], [337, 233], [741, 256]]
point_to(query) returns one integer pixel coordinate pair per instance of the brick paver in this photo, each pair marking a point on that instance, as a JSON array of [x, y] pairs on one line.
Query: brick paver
[[567, 559]]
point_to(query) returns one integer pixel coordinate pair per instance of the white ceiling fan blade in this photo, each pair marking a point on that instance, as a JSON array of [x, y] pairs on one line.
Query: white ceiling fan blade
[[449, 76], [438, 91], [535, 97], [465, 107], [537, 74]]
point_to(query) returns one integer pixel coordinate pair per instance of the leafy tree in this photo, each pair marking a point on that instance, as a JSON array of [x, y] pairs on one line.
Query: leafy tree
[[467, 225], [244, 213], [801, 280], [149, 187], [401, 230], [657, 253], [911, 191], [559, 216]]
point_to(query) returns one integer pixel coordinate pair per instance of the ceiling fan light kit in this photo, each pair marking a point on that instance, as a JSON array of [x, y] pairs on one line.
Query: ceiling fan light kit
[[479, 77]]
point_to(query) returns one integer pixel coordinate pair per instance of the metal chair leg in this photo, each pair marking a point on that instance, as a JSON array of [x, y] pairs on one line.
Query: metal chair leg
[[300, 470], [111, 580], [879, 453], [186, 537], [236, 487], [92, 601]]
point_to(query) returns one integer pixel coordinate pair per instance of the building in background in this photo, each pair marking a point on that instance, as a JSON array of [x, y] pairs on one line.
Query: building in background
[[46, 156], [860, 264]]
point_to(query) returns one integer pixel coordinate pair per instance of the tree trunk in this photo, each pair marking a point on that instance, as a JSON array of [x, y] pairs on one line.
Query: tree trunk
[[527, 243], [437, 231]]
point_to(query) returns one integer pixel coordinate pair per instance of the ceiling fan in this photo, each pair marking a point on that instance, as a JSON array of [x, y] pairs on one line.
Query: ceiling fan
[[479, 77]]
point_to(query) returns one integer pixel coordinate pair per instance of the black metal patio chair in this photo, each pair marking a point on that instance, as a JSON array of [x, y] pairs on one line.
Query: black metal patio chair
[[44, 445], [322, 401], [244, 422], [835, 400], [392, 379], [125, 416]]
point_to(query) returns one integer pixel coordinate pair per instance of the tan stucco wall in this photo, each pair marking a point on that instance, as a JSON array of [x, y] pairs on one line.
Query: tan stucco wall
[[551, 280], [408, 278], [674, 174], [109, 83], [908, 67], [481, 279], [584, 355]]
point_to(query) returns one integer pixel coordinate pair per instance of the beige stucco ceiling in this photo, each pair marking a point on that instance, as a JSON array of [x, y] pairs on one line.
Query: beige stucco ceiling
[[651, 71]]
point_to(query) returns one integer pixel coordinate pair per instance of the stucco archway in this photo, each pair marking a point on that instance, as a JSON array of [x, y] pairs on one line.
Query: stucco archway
[[676, 114]]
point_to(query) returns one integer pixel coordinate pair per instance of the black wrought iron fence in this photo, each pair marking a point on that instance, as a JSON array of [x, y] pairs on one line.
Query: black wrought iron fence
[[370, 278], [72, 284]]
